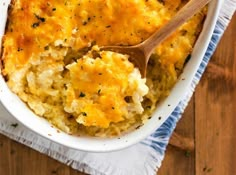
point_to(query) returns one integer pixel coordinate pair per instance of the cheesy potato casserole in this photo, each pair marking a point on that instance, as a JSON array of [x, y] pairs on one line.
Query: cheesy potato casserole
[[51, 60]]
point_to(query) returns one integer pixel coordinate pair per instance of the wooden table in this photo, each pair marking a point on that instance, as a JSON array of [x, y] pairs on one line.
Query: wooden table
[[209, 122]]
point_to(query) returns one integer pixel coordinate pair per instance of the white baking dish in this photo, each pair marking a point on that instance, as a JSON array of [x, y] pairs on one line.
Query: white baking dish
[[39, 125]]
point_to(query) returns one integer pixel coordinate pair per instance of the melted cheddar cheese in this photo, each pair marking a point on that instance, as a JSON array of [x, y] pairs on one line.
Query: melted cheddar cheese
[[97, 101], [34, 25]]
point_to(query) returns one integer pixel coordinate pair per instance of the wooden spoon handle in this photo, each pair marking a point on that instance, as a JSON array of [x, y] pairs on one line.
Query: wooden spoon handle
[[191, 8]]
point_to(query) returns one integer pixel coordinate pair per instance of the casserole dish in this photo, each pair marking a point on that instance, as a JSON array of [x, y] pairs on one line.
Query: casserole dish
[[39, 125]]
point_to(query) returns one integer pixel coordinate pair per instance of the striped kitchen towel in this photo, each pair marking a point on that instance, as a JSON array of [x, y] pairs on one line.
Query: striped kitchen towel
[[143, 158]]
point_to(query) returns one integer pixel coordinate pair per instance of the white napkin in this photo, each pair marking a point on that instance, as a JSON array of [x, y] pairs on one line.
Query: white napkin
[[143, 158]]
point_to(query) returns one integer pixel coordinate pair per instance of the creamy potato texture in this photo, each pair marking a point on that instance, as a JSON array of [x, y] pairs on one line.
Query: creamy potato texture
[[47, 64]]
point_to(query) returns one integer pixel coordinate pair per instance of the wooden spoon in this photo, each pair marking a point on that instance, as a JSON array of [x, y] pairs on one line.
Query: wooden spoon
[[140, 54]]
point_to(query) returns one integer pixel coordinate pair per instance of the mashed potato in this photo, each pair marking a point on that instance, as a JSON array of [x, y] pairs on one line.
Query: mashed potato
[[47, 62]]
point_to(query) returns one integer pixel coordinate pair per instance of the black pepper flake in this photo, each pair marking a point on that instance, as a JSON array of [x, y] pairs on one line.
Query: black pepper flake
[[206, 169], [70, 117], [128, 99], [113, 108], [54, 9], [40, 18], [100, 74], [35, 25], [99, 91], [85, 23], [12, 152], [159, 118], [14, 125], [183, 32], [108, 26], [46, 48], [187, 59], [82, 94], [19, 49], [84, 113], [162, 2]]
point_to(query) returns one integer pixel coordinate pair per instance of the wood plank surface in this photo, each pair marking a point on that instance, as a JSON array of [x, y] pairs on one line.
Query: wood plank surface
[[215, 109], [209, 120]]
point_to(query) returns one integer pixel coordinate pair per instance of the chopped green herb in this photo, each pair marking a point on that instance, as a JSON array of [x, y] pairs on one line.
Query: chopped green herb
[[209, 170], [187, 153]]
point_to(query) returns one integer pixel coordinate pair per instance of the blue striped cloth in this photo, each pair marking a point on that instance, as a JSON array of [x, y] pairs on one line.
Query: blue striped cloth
[[143, 158]]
